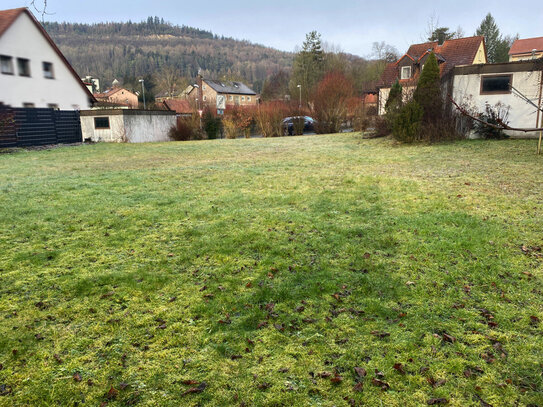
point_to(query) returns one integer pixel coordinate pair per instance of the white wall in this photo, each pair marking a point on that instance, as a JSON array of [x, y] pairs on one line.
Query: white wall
[[24, 40], [148, 128], [467, 90], [115, 133], [129, 126]]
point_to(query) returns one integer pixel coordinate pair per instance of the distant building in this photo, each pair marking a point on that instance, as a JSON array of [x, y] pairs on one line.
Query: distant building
[[180, 106], [33, 71], [526, 49], [118, 96], [92, 84], [222, 93]]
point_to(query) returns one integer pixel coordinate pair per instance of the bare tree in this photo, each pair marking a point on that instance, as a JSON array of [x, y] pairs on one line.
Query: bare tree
[[40, 6], [169, 80], [384, 52]]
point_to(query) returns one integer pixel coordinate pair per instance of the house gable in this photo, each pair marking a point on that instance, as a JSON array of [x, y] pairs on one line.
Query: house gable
[[22, 36]]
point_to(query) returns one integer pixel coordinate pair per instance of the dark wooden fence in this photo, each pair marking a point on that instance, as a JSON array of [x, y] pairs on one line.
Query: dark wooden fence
[[25, 127]]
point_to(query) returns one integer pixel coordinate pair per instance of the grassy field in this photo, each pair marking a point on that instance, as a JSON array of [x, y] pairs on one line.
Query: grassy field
[[303, 271]]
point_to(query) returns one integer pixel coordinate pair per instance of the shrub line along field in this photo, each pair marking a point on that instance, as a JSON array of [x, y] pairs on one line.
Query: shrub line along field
[[303, 271]]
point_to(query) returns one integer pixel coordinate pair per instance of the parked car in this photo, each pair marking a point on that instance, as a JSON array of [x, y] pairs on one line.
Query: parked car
[[288, 124]]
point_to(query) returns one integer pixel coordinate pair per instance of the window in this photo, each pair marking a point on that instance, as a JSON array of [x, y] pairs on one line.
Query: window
[[203, 87], [205, 98], [48, 70], [248, 98], [496, 84], [406, 72], [6, 64], [231, 97], [28, 105], [23, 65], [243, 98], [101, 123]]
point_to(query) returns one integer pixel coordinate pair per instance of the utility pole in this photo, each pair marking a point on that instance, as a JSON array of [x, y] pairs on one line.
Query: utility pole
[[142, 81]]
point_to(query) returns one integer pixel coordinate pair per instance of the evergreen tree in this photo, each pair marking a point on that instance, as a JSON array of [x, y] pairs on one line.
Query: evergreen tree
[[308, 68], [494, 42], [428, 92], [441, 34], [394, 96]]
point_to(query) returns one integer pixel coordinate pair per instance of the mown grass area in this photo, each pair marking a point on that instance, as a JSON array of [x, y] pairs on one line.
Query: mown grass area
[[263, 272]]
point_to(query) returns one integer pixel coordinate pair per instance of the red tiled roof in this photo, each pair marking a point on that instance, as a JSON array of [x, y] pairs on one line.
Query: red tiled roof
[[418, 50], [108, 93], [7, 17], [526, 46], [460, 51], [180, 106]]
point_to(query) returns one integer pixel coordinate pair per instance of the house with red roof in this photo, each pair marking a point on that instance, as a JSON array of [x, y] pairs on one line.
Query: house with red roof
[[182, 107], [119, 97], [526, 49], [33, 71], [407, 69]]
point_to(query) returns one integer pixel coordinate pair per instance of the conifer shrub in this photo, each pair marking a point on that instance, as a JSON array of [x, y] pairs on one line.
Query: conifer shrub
[[406, 126], [428, 91]]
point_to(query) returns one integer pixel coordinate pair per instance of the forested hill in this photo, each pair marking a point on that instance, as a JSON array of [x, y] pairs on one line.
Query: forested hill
[[128, 50]]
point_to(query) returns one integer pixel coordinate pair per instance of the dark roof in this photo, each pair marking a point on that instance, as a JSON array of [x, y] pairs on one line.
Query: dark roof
[[230, 87], [526, 46], [460, 51], [7, 17]]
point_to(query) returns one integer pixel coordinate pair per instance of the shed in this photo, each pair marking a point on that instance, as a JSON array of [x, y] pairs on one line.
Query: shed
[[127, 125]]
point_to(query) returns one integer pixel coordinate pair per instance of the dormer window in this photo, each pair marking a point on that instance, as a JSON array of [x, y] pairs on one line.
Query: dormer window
[[406, 72]]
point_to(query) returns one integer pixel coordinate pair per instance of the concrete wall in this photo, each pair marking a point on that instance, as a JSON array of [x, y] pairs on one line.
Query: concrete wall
[[132, 126], [24, 40], [467, 90], [148, 128]]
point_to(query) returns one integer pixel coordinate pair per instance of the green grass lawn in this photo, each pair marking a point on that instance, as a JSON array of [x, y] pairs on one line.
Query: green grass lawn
[[302, 271]]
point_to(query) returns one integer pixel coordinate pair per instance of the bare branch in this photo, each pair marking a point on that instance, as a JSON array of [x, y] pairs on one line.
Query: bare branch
[[502, 125], [40, 8]]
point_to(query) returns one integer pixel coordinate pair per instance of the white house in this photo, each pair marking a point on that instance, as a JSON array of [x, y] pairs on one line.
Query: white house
[[33, 71], [516, 85]]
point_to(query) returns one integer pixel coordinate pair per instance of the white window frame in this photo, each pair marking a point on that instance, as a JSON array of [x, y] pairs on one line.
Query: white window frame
[[48, 73], [404, 69], [6, 65], [248, 98]]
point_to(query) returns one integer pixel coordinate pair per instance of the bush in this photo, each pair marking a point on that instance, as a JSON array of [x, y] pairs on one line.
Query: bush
[[407, 123], [382, 127], [237, 122], [331, 102], [496, 115], [211, 123], [269, 118], [188, 128]]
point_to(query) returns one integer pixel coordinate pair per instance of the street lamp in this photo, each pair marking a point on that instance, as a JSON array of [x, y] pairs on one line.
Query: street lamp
[[300, 87], [143, 90]]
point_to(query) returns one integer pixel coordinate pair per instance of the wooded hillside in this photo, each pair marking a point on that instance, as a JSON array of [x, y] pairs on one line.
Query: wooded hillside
[[128, 50]]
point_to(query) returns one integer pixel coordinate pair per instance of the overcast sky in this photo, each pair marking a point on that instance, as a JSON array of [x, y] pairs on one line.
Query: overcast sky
[[353, 25]]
